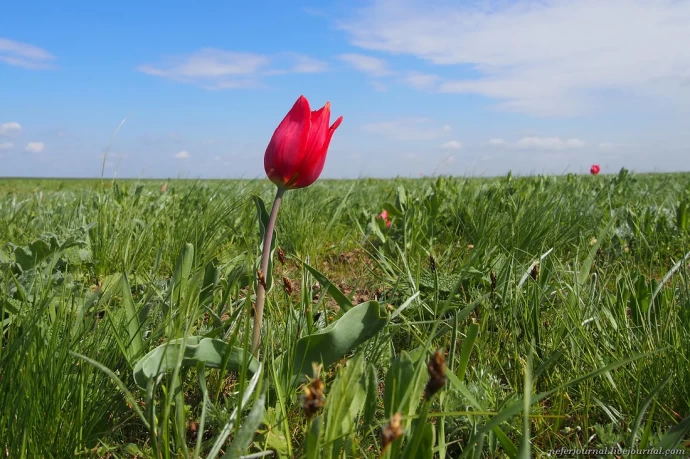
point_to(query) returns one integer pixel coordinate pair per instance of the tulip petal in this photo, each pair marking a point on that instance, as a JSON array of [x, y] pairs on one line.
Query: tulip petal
[[286, 149], [331, 130], [318, 130], [314, 158], [312, 166]]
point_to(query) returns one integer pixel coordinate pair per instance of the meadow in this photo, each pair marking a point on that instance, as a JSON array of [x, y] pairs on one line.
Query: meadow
[[559, 307]]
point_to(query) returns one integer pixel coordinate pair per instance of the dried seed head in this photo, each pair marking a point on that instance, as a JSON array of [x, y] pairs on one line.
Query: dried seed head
[[432, 263], [281, 256], [313, 399], [287, 285], [493, 281], [437, 375], [391, 432], [261, 278], [535, 271]]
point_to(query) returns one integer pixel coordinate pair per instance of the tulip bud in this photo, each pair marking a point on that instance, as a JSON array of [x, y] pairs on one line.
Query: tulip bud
[[296, 154]]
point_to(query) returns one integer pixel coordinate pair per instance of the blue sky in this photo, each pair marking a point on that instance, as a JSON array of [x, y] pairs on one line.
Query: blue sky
[[463, 88]]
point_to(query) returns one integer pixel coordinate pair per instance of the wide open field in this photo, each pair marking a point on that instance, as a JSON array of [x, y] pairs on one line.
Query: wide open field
[[594, 338]]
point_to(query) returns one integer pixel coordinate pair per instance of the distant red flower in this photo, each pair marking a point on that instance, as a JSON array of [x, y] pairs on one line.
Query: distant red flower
[[384, 216], [594, 170], [297, 151]]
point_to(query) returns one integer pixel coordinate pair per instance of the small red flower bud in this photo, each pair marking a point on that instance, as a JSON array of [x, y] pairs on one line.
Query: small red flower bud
[[296, 154]]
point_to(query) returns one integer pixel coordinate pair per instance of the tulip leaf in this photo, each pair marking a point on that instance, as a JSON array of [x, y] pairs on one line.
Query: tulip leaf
[[197, 350], [401, 198], [340, 298], [673, 438], [346, 399], [243, 439], [135, 344], [376, 229], [586, 266], [182, 269], [313, 440], [404, 384], [423, 448], [263, 217], [372, 395], [211, 278], [341, 337]]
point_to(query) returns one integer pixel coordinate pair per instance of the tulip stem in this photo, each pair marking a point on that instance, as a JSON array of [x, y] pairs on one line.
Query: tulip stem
[[265, 255]]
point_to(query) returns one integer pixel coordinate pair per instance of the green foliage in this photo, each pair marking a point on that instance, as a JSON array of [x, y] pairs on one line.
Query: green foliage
[[330, 344], [207, 351], [126, 317]]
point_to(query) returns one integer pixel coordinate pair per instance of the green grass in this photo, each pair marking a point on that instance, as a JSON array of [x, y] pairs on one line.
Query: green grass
[[589, 349]]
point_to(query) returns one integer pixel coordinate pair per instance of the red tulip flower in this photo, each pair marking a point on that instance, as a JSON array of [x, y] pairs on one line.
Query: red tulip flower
[[296, 154], [384, 216], [294, 158], [594, 170]]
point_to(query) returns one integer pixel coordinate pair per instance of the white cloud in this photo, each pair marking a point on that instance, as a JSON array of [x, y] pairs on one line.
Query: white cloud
[[452, 145], [372, 66], [24, 55], [551, 57], [34, 147], [289, 62], [446, 127], [212, 68], [406, 129], [421, 80], [6, 145], [11, 129], [184, 154], [539, 143], [608, 146], [306, 64], [549, 143]]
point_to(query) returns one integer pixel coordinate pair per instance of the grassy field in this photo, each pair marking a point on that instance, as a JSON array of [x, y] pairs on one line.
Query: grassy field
[[559, 306]]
